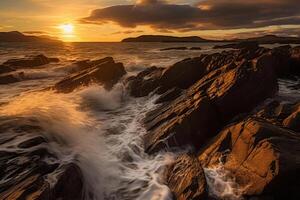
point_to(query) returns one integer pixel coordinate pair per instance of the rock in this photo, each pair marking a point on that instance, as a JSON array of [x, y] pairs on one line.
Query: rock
[[32, 61], [281, 114], [182, 74], [170, 95], [32, 142], [145, 82], [241, 45], [5, 69], [263, 158], [293, 120], [174, 48], [85, 64], [8, 78], [33, 171], [186, 178], [105, 72], [195, 48], [185, 73], [213, 101]]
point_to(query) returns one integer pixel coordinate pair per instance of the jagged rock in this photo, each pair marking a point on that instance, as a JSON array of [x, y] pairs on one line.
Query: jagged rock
[[212, 102], [85, 64], [170, 95], [263, 158], [281, 114], [33, 171], [145, 82], [32, 61], [293, 120], [104, 71], [186, 179]]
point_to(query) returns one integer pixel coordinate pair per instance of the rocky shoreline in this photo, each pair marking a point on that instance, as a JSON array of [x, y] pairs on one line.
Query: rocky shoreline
[[221, 105]]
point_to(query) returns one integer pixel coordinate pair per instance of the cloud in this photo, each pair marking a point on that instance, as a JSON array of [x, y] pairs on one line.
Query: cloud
[[127, 32], [35, 32], [206, 15]]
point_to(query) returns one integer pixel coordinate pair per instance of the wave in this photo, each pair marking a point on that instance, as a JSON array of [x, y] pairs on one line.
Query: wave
[[107, 144]]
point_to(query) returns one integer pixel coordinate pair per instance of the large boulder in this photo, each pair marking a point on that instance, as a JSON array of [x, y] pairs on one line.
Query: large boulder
[[209, 104], [31, 61], [263, 158], [186, 178], [105, 72]]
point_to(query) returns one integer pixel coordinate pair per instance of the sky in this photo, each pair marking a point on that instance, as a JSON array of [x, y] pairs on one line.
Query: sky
[[113, 20]]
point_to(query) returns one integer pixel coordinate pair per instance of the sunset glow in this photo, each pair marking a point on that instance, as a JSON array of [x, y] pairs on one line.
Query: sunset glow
[[67, 28], [99, 20]]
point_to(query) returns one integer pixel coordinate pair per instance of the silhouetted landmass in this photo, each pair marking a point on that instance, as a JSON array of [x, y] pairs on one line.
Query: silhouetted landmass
[[164, 38], [272, 39], [267, 39], [15, 36]]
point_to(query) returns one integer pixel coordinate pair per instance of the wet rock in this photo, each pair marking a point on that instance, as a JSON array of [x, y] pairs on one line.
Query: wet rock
[[104, 72], [263, 158], [32, 61], [145, 82], [186, 178], [34, 171], [170, 95], [85, 64], [213, 101], [10, 78], [185, 73], [5, 69], [281, 114], [32, 142], [174, 48], [241, 45], [195, 48], [293, 120]]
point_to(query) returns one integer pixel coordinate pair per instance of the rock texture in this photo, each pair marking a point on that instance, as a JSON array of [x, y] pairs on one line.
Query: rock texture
[[104, 71], [226, 91], [186, 178], [263, 158]]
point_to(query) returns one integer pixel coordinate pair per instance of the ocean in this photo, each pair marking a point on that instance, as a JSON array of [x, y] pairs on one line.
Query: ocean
[[100, 130]]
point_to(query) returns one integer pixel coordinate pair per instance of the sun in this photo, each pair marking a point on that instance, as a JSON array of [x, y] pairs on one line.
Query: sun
[[67, 28]]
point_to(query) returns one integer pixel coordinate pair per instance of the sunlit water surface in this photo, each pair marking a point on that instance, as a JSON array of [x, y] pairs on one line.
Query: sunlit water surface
[[101, 130]]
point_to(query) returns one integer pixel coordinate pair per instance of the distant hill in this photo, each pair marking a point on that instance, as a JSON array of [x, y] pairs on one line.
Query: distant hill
[[267, 39], [164, 38], [16, 36], [271, 39]]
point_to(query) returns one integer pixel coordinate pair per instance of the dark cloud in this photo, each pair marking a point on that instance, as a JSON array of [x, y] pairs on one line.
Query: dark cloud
[[128, 32], [206, 15], [34, 32]]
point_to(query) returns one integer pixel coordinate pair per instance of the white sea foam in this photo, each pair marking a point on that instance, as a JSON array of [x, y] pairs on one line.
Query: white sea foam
[[106, 145]]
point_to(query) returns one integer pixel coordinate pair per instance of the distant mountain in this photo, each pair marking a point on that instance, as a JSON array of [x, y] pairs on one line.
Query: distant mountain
[[271, 39], [16, 36], [164, 38]]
